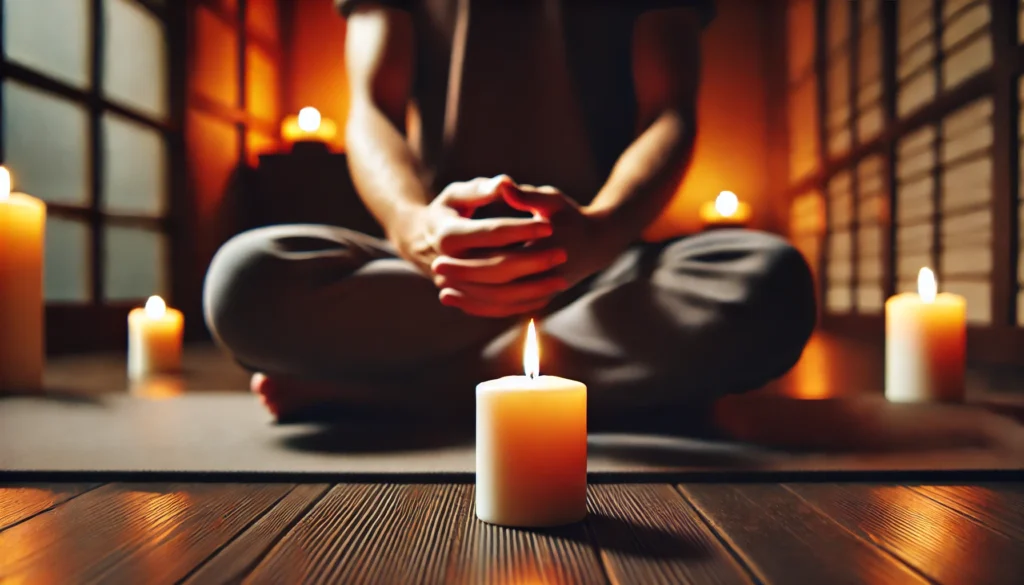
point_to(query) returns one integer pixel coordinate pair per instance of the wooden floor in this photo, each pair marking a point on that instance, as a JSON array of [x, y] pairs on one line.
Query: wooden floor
[[427, 533]]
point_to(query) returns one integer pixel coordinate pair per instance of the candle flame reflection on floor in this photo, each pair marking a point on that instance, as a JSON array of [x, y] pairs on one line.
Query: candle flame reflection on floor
[[158, 387]]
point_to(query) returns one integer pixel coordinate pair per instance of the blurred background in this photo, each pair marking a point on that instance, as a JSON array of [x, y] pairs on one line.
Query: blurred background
[[878, 136]]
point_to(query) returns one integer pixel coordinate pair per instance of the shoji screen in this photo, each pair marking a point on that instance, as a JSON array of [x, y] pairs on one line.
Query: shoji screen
[[870, 117], [840, 252], [838, 68], [915, 55], [87, 126], [872, 209], [944, 206], [966, 40]]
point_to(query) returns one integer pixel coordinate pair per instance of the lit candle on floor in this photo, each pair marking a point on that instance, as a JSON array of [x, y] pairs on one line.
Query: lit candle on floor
[[925, 344], [531, 447], [154, 339], [22, 230], [725, 211]]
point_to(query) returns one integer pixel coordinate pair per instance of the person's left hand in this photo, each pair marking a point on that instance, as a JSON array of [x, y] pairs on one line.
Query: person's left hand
[[582, 235]]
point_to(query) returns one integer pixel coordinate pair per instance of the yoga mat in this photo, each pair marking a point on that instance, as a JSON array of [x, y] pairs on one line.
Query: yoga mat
[[229, 432]]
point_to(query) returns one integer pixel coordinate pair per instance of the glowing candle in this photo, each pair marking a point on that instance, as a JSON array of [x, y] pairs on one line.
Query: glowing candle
[[725, 211], [531, 447], [154, 339], [308, 126], [22, 230], [925, 344]]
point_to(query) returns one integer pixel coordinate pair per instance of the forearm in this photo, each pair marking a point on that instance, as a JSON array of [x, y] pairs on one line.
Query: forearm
[[645, 178], [385, 170]]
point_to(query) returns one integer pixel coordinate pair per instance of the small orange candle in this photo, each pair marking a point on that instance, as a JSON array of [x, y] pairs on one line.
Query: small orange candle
[[531, 447], [308, 126], [154, 339], [925, 344], [725, 211], [22, 345]]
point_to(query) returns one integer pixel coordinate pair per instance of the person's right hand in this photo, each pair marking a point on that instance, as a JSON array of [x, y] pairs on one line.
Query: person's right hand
[[513, 283]]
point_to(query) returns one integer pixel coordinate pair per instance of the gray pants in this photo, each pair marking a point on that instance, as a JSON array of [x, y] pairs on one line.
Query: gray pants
[[677, 323]]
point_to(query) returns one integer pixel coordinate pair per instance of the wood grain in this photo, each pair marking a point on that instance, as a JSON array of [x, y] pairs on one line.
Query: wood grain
[[235, 560], [362, 533], [650, 534], [784, 540], [21, 502], [940, 543], [485, 553], [1000, 506], [124, 533]]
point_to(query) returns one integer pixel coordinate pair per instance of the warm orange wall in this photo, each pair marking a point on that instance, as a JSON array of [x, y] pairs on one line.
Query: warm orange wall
[[732, 147], [316, 69], [732, 144]]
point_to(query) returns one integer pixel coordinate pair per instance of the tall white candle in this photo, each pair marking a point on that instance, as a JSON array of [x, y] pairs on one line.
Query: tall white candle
[[531, 447], [22, 230], [925, 344], [154, 339]]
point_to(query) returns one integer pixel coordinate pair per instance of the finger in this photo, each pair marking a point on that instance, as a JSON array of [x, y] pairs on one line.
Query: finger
[[466, 196], [545, 200], [480, 308], [498, 268], [462, 234], [511, 293]]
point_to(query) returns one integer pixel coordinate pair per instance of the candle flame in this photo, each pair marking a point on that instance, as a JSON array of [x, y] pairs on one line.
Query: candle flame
[[926, 285], [5, 183], [531, 352], [309, 119], [727, 203], [155, 307]]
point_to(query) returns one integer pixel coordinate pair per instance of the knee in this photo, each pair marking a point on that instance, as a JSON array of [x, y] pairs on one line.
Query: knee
[[784, 297], [239, 284]]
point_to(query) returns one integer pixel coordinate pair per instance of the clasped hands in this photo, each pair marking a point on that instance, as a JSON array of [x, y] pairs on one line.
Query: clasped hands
[[502, 267]]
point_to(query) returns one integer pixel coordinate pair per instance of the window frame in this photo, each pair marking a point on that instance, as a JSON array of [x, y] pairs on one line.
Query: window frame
[[1002, 342], [97, 323]]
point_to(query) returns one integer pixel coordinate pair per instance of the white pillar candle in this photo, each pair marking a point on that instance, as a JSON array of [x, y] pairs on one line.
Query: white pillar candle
[[154, 339], [925, 344], [22, 230], [531, 447]]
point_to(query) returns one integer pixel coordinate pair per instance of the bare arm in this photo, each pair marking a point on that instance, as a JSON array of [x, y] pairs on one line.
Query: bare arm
[[666, 71], [379, 57]]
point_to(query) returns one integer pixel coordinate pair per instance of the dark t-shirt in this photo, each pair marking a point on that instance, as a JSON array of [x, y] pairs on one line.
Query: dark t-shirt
[[544, 92]]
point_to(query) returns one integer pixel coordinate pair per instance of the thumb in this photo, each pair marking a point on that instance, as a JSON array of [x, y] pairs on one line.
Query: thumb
[[544, 201]]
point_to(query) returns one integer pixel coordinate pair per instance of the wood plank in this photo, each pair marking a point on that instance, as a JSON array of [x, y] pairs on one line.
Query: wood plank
[[124, 533], [999, 506], [234, 561], [940, 543], [647, 533], [359, 533], [785, 540], [485, 553], [20, 502]]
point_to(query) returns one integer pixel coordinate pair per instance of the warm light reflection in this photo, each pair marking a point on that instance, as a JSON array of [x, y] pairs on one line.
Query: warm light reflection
[[927, 287], [153, 516], [531, 352], [727, 203], [5, 183], [809, 379], [156, 308], [158, 388], [309, 119]]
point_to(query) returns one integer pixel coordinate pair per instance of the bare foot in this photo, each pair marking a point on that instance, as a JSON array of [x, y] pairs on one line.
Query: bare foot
[[284, 397]]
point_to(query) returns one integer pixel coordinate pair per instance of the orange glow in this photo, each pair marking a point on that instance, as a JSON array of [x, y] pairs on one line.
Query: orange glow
[[725, 210], [308, 126], [810, 377], [158, 388], [261, 85], [257, 144]]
